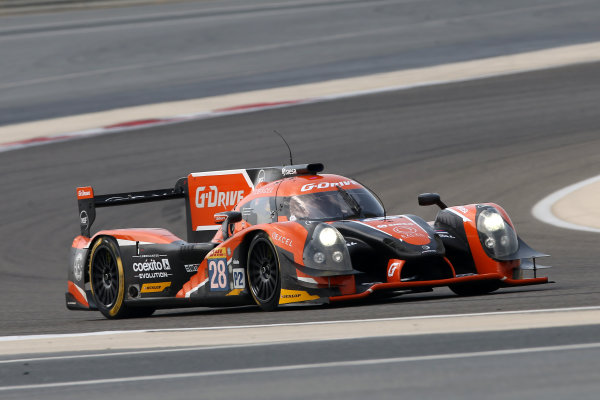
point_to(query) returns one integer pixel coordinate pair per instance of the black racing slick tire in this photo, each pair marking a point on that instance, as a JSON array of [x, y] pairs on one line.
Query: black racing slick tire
[[107, 281], [475, 289], [264, 274], [106, 278]]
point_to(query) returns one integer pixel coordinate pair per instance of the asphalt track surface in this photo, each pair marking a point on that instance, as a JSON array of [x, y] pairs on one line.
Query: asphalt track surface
[[510, 140], [77, 62]]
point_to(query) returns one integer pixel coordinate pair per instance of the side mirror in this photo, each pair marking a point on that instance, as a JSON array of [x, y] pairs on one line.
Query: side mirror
[[226, 219], [429, 199]]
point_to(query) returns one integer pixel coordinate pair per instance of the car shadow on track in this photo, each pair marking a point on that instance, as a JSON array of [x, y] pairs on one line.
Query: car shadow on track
[[372, 301]]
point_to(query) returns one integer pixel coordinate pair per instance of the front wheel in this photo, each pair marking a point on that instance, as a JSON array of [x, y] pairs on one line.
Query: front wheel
[[264, 276]]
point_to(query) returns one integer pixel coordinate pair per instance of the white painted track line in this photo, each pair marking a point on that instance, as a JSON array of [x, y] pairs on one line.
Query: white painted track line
[[299, 367]]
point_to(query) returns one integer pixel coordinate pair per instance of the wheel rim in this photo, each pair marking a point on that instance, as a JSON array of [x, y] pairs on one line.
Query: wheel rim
[[105, 277], [263, 272]]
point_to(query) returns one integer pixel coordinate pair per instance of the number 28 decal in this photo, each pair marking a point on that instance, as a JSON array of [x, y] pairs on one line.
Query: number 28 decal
[[217, 273]]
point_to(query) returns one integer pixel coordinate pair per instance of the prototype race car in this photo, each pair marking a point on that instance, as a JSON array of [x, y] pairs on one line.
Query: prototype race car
[[287, 235]]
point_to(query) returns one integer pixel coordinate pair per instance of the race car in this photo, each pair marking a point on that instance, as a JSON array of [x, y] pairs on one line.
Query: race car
[[287, 235]]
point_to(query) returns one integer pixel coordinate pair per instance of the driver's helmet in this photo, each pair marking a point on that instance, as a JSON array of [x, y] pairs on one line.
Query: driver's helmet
[[298, 210]]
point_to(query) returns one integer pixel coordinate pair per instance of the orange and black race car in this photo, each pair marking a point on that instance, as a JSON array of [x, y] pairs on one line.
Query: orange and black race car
[[287, 235]]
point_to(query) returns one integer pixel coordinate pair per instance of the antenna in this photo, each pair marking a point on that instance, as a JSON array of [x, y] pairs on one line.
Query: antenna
[[286, 143]]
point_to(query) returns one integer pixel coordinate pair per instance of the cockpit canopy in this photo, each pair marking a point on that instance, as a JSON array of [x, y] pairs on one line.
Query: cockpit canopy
[[311, 197], [336, 204]]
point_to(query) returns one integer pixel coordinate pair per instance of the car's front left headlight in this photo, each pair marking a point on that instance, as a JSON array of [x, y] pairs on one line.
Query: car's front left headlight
[[328, 236], [497, 237], [327, 250]]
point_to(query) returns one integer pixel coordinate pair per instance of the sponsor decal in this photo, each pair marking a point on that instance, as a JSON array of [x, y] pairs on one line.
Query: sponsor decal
[[428, 250], [83, 219], [78, 267], [462, 209], [220, 252], [214, 192], [191, 267], [154, 287], [265, 190], [295, 296], [282, 239], [234, 292], [403, 228], [239, 278], [261, 176], [325, 185], [214, 198], [151, 266], [85, 193], [153, 275], [350, 244], [395, 224], [392, 269], [288, 171], [444, 234], [220, 218], [409, 232]]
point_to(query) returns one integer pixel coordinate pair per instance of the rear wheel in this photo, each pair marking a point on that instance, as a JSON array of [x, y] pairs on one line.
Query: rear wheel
[[475, 289], [264, 276], [108, 283]]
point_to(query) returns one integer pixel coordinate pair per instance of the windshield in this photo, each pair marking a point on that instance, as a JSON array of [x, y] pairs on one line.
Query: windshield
[[331, 205]]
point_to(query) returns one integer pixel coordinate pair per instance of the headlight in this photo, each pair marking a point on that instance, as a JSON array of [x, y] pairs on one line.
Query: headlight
[[497, 237], [337, 256], [328, 237], [491, 220], [319, 257], [326, 250]]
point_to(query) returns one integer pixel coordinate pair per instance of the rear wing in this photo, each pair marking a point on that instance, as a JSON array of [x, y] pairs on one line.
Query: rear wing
[[205, 194], [88, 202]]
